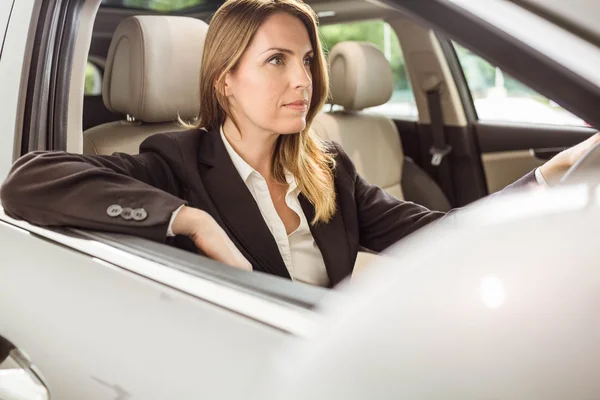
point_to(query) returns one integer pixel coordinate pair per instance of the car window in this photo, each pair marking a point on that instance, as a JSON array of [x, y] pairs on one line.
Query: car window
[[402, 103], [93, 80], [497, 96]]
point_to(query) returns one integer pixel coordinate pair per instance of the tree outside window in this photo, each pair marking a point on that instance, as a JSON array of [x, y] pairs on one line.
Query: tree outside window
[[155, 5], [500, 97]]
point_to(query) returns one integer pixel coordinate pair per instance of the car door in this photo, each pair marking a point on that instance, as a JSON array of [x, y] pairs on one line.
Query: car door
[[517, 128], [525, 85], [100, 321], [98, 316]]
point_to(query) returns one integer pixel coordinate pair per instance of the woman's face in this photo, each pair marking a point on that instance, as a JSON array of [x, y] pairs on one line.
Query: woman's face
[[271, 87]]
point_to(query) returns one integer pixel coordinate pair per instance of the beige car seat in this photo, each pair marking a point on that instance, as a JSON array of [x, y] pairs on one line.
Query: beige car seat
[[152, 75], [361, 77]]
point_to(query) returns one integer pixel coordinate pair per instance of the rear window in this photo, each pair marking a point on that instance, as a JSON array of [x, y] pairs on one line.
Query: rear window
[[156, 5]]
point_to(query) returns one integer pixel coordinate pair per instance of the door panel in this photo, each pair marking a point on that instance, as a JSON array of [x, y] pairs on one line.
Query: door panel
[[511, 150], [505, 136], [504, 167], [517, 129]]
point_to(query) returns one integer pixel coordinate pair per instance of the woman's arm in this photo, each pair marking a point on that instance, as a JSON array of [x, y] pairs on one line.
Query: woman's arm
[[207, 235], [58, 188]]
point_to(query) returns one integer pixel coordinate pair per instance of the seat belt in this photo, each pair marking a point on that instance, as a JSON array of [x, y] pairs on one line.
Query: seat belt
[[440, 149]]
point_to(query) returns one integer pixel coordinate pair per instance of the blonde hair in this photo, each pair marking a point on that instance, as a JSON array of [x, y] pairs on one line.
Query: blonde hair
[[304, 154]]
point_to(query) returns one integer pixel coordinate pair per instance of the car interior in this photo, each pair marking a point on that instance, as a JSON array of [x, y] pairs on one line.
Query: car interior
[[135, 66]]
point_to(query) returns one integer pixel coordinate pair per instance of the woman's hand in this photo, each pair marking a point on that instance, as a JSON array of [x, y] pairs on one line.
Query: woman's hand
[[209, 237], [554, 169]]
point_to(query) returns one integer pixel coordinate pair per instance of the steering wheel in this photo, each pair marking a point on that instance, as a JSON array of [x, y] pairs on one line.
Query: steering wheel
[[587, 169]]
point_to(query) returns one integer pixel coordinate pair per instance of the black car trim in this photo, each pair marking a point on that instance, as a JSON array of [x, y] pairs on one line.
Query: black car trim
[[506, 136], [35, 117]]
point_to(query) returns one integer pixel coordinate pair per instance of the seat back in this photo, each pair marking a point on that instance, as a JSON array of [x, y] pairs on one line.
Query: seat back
[[361, 77], [152, 75]]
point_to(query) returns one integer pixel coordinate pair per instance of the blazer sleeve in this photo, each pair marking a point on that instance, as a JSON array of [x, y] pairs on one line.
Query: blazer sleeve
[[383, 219], [62, 189]]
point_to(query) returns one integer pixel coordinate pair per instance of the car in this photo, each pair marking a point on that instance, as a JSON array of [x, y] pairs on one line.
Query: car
[[97, 315]]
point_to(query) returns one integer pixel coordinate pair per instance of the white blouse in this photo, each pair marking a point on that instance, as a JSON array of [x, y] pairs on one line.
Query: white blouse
[[300, 253]]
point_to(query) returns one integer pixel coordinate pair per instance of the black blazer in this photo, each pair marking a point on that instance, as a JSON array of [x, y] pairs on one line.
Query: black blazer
[[194, 168]]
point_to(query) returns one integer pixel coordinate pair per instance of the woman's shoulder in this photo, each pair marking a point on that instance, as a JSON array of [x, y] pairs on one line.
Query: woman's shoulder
[[174, 145], [178, 138], [343, 163]]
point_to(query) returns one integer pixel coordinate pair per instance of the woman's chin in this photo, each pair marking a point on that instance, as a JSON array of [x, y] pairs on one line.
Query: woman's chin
[[293, 127]]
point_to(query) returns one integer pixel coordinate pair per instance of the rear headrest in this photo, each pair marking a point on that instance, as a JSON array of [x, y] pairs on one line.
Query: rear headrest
[[361, 77], [153, 68]]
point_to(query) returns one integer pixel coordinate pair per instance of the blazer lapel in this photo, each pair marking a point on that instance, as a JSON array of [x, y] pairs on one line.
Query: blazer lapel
[[332, 241], [237, 208]]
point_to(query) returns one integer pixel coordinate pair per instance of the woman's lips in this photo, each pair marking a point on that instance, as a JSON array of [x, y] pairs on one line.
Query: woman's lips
[[298, 105]]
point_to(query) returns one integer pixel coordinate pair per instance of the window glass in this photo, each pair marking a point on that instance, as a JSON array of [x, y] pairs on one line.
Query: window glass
[[500, 97], [402, 102], [93, 80], [155, 5]]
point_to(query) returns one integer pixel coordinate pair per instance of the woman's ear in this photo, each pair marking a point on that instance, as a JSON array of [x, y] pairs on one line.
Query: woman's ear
[[228, 84], [223, 86]]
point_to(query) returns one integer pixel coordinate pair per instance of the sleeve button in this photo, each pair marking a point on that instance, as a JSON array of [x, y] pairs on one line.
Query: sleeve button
[[127, 214], [139, 214], [114, 211]]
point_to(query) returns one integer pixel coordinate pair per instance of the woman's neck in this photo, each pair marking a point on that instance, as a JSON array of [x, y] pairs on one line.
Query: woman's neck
[[255, 146]]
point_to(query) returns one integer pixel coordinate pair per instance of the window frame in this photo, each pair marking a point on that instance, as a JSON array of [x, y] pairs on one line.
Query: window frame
[[45, 113], [460, 80]]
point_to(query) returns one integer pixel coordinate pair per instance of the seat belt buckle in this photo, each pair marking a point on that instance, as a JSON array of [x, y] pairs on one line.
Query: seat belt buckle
[[437, 155]]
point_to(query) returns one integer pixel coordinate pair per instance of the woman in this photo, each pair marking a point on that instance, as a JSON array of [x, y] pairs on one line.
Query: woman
[[255, 189]]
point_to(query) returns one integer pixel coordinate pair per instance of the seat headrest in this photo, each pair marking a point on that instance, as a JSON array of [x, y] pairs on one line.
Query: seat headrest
[[153, 68], [361, 77]]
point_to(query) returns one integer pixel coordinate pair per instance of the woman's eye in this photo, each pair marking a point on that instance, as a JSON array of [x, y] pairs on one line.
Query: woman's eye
[[308, 61], [277, 60]]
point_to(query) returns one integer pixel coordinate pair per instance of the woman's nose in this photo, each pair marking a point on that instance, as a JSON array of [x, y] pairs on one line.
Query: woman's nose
[[302, 77]]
